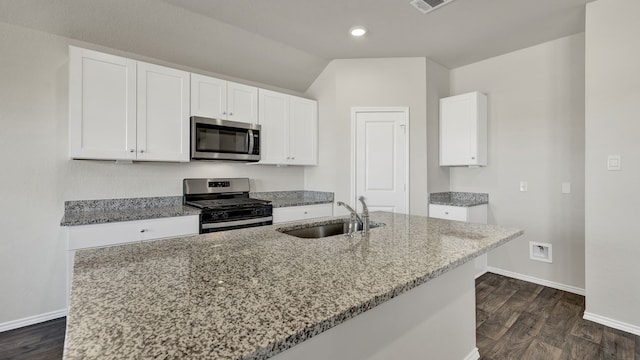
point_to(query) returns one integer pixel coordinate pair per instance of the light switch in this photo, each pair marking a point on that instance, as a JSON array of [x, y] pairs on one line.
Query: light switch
[[613, 163], [566, 188]]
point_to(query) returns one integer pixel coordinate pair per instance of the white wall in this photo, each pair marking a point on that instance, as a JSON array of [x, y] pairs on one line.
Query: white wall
[[535, 134], [351, 83], [613, 127], [37, 175], [437, 87]]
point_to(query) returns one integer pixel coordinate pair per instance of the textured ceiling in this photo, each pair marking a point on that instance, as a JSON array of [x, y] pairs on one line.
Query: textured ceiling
[[287, 43]]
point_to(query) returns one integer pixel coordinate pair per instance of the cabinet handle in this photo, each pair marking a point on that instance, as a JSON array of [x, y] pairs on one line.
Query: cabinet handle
[[141, 151], [143, 230], [231, 114], [473, 158], [293, 158], [132, 150], [305, 213], [446, 213]]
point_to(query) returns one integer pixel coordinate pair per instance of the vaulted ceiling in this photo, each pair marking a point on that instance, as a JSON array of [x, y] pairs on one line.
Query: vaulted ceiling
[[287, 43]]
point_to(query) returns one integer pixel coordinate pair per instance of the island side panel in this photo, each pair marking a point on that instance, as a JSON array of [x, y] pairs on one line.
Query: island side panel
[[435, 320]]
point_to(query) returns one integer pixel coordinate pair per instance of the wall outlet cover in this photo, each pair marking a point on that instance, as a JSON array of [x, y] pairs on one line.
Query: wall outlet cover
[[540, 251], [524, 186]]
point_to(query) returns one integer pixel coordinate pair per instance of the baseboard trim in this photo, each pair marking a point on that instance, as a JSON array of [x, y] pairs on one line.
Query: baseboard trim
[[474, 355], [15, 324], [535, 280], [632, 329]]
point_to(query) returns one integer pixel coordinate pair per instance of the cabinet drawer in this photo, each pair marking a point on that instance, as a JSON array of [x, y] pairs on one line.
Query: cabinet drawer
[[98, 235], [294, 213], [457, 213]]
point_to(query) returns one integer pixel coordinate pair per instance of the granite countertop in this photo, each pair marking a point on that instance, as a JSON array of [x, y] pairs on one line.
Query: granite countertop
[[85, 212], [463, 199], [255, 292], [294, 198]]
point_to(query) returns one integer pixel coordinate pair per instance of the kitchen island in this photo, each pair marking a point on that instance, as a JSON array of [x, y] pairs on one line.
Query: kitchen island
[[254, 293]]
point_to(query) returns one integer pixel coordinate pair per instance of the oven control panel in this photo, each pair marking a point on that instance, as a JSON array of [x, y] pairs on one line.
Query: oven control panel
[[219, 184]]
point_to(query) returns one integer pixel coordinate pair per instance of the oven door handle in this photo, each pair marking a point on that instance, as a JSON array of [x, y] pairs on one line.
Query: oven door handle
[[235, 223], [250, 141]]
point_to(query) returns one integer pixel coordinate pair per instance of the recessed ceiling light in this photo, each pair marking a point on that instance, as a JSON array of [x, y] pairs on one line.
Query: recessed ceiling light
[[358, 31]]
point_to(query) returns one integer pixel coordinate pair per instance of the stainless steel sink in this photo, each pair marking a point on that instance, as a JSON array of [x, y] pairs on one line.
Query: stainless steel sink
[[321, 231]]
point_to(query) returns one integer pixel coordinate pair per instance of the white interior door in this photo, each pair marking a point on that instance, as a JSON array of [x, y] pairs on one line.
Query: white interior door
[[381, 158]]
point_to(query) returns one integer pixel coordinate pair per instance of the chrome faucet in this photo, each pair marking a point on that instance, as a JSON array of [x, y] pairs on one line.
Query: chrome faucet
[[356, 221], [365, 216]]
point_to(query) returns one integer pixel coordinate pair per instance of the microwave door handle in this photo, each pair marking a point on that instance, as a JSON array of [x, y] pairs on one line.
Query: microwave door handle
[[250, 140]]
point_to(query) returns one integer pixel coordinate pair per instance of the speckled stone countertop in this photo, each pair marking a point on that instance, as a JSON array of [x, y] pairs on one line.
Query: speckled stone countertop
[[255, 292], [294, 198], [85, 212], [464, 199]]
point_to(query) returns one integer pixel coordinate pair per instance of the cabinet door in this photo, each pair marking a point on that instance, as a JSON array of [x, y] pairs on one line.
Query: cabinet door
[[163, 113], [463, 130], [208, 97], [274, 118], [102, 105], [242, 103], [303, 130]]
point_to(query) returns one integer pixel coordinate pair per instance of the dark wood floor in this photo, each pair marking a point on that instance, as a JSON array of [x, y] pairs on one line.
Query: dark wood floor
[[42, 341], [514, 319], [520, 320]]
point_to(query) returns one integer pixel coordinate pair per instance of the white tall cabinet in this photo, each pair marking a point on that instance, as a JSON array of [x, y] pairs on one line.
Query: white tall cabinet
[[221, 99], [463, 130], [122, 109], [289, 129]]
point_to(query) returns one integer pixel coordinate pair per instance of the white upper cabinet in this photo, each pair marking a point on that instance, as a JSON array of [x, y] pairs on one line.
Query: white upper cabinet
[[102, 105], [208, 97], [221, 99], [242, 103], [303, 131], [121, 109], [274, 131], [289, 129], [463, 130], [163, 113]]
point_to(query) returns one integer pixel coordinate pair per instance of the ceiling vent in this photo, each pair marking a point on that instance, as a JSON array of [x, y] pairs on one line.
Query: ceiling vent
[[426, 6]]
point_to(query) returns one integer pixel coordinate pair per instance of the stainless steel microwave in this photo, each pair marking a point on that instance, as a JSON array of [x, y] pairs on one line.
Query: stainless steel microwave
[[215, 139]]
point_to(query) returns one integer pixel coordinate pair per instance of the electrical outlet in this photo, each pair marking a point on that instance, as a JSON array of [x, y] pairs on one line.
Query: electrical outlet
[[524, 186]]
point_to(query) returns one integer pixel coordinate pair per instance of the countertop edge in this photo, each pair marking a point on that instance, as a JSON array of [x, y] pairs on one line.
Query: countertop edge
[[451, 203]]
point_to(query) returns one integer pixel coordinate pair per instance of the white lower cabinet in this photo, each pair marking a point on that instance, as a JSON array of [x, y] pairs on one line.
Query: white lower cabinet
[[293, 213], [126, 232], [473, 214]]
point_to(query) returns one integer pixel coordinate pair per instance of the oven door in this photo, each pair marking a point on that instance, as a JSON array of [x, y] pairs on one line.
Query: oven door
[[214, 139], [235, 224]]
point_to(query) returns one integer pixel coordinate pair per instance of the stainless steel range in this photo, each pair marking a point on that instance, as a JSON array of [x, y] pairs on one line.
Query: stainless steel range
[[226, 204]]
